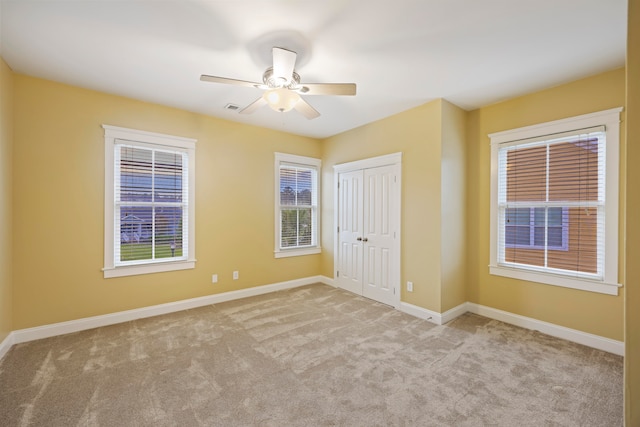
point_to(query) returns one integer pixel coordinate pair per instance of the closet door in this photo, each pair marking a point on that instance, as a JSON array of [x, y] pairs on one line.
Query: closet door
[[379, 224], [368, 226], [350, 231]]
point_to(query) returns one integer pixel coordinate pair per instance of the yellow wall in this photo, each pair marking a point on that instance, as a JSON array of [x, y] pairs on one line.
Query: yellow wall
[[6, 192], [585, 311], [57, 208], [428, 136], [453, 206], [59, 199], [632, 313]]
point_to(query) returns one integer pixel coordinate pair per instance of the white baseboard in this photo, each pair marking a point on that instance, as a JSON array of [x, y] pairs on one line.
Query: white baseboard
[[433, 316], [46, 331], [327, 281], [457, 311], [584, 338], [421, 313], [6, 344]]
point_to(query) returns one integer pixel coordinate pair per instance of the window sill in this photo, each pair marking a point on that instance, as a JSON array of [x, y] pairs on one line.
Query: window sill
[[135, 270], [555, 280], [297, 252]]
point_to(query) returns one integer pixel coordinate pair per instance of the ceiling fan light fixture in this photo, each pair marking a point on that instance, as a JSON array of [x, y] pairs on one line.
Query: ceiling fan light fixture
[[281, 99]]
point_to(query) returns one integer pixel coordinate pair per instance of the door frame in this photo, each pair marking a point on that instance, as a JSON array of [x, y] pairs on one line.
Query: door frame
[[393, 159]]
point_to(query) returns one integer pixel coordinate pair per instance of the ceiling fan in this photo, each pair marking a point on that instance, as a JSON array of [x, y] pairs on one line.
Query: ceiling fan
[[283, 88]]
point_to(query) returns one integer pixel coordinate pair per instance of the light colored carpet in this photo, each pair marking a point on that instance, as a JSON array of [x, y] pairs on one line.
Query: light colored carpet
[[310, 356]]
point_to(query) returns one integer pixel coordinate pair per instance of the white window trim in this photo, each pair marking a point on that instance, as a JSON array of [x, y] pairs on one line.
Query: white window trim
[[111, 134], [302, 161], [610, 119]]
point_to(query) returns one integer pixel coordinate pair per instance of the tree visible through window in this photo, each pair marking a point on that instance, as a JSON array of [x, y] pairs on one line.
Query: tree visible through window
[[296, 206], [297, 203]]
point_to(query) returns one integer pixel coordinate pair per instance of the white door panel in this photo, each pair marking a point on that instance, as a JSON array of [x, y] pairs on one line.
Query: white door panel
[[349, 230], [380, 183]]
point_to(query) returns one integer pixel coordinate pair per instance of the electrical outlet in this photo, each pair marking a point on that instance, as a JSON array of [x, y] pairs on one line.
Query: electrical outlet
[[236, 275], [409, 286], [214, 278]]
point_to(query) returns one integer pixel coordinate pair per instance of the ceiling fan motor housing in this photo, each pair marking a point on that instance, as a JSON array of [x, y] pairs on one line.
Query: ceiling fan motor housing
[[274, 82]]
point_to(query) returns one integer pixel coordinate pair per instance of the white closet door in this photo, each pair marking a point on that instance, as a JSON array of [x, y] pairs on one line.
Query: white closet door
[[350, 230], [368, 226], [378, 239]]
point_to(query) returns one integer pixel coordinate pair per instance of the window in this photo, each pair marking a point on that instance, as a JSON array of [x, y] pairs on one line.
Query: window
[[554, 202], [296, 205], [525, 228], [149, 202]]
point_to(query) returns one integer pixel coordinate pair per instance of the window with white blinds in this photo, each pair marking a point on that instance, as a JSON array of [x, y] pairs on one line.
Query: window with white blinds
[[296, 205], [149, 204], [555, 202]]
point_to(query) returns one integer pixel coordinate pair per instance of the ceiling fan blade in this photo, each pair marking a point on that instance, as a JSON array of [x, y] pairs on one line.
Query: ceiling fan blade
[[307, 110], [224, 80], [284, 62], [348, 89], [260, 102]]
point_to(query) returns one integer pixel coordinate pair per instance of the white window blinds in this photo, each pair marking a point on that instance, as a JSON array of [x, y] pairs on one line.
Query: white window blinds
[[298, 202], [151, 204], [551, 203], [296, 205]]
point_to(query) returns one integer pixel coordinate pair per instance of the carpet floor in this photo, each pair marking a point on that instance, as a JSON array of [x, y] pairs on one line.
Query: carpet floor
[[309, 356]]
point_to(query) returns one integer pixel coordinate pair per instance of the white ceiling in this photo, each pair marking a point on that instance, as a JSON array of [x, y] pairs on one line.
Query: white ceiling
[[400, 53]]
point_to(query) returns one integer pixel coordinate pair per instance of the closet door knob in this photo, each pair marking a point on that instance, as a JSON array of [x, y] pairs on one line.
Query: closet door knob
[[359, 239], [365, 239]]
